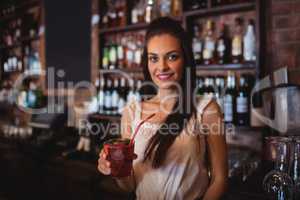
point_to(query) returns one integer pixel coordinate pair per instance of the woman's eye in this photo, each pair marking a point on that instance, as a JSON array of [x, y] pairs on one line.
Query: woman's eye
[[153, 59], [173, 57]]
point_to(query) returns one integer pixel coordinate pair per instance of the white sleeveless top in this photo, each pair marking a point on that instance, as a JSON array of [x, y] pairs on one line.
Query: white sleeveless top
[[184, 173]]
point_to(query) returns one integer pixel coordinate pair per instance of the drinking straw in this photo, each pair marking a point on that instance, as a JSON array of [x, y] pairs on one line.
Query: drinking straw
[[138, 127]]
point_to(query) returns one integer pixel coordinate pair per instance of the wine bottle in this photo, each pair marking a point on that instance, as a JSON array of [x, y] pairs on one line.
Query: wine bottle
[[197, 45], [249, 43], [237, 42], [223, 45], [219, 91], [115, 97], [108, 98], [242, 103], [112, 54], [229, 99], [209, 44], [101, 96], [149, 11]]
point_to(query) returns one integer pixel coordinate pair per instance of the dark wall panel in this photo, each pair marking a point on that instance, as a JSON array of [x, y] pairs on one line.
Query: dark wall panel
[[68, 38]]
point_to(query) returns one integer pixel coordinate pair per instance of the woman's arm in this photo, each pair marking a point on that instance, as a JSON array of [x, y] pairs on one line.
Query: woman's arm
[[127, 183], [217, 151]]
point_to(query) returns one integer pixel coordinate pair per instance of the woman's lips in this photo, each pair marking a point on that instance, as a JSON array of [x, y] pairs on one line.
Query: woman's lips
[[164, 76]]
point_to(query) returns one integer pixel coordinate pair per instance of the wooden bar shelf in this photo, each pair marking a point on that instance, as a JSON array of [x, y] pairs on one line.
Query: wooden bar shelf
[[98, 116], [217, 10], [124, 70], [132, 27], [20, 43], [243, 66]]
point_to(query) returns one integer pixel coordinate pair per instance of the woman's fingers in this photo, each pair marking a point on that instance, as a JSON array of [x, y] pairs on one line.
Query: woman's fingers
[[103, 164]]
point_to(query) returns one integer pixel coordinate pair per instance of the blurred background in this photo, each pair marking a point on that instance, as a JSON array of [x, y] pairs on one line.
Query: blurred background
[[62, 90]]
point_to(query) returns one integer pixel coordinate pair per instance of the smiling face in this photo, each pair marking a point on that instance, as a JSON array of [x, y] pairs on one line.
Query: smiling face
[[165, 60]]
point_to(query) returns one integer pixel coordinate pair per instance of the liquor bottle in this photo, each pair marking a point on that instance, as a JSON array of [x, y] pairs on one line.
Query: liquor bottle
[[135, 51], [176, 8], [18, 28], [121, 12], [229, 99], [149, 15], [34, 65], [209, 44], [295, 168], [123, 90], [209, 88], [137, 94], [197, 45], [112, 54], [237, 42], [101, 96], [105, 20], [131, 93], [105, 56], [242, 103], [135, 13], [139, 50], [200, 85], [115, 98], [223, 45], [108, 98], [129, 51], [120, 52], [112, 14], [31, 96], [164, 8], [220, 91], [249, 43], [122, 95]]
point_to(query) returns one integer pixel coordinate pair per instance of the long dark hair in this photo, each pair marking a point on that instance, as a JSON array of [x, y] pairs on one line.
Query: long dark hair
[[160, 142]]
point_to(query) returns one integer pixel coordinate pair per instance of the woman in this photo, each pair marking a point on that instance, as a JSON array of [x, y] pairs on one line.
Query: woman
[[182, 143]]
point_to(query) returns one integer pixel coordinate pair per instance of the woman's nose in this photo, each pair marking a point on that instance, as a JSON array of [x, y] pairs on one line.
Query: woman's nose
[[163, 65]]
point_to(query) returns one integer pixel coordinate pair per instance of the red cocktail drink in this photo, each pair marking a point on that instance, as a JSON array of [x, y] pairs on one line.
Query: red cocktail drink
[[121, 154]]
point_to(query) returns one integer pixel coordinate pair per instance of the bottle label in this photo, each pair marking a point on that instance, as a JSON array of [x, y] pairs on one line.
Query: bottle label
[[236, 46], [101, 98], [249, 48], [221, 47], [228, 108], [104, 62], [129, 55], [115, 99], [241, 105], [208, 49], [113, 55], [138, 56], [120, 52], [108, 101], [197, 47], [134, 16]]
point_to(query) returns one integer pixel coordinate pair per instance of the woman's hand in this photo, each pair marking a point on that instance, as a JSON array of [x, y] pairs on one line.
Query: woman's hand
[[103, 164]]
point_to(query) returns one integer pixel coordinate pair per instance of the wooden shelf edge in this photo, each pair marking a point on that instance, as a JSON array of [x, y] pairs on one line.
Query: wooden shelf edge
[[130, 70], [105, 117], [20, 43], [131, 27], [221, 9], [243, 66]]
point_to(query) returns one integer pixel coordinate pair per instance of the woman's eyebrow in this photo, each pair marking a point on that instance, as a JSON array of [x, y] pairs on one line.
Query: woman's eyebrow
[[173, 51]]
